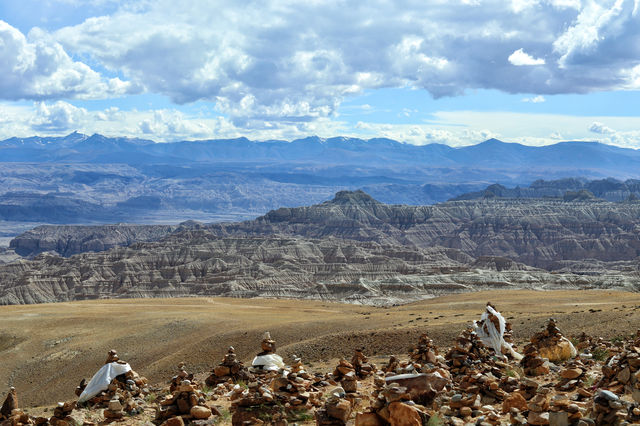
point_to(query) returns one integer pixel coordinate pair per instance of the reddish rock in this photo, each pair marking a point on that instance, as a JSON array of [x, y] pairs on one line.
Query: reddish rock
[[401, 414], [174, 421], [514, 400], [369, 419]]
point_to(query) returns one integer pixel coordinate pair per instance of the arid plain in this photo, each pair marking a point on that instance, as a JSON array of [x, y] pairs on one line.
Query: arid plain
[[45, 350]]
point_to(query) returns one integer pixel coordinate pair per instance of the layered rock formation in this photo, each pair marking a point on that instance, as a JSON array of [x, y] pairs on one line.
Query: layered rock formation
[[352, 248], [70, 240]]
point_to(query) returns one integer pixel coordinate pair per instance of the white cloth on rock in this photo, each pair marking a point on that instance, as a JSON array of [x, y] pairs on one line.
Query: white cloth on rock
[[269, 362], [101, 380], [492, 337]]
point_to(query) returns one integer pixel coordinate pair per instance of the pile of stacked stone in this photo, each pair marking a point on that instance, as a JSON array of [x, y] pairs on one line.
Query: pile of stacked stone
[[572, 376], [485, 385], [424, 355], [295, 391], [552, 345], [363, 368], [393, 404], [336, 411], [297, 368], [345, 374], [62, 414], [621, 372], [469, 355], [564, 410], [185, 401], [539, 407], [267, 360], [588, 344], [274, 394], [178, 378], [532, 363], [126, 390], [395, 366], [608, 408], [10, 414], [229, 370]]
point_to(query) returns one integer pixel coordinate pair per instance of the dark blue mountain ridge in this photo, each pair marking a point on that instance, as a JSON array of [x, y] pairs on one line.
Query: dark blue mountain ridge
[[376, 152]]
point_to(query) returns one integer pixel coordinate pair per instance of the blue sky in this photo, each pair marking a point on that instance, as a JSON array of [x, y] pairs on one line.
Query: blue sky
[[435, 71]]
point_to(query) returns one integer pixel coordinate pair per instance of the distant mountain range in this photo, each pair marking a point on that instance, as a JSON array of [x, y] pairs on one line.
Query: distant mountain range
[[598, 158], [97, 179]]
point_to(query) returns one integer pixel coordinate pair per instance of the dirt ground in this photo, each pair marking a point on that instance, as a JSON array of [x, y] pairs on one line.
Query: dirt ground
[[45, 350]]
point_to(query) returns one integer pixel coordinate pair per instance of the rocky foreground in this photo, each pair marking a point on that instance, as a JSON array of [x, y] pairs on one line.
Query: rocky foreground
[[482, 378]]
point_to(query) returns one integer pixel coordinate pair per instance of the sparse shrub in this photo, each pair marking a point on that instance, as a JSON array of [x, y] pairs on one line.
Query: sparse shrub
[[589, 380], [299, 416], [435, 420], [600, 354], [224, 418]]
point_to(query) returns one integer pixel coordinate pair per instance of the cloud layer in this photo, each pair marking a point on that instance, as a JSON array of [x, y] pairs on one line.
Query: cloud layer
[[292, 62], [282, 68]]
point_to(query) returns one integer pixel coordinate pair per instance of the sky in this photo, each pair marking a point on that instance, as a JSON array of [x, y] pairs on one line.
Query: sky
[[455, 72]]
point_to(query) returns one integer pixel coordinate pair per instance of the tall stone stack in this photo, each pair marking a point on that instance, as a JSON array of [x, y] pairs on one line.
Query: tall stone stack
[[11, 414], [267, 360], [336, 411], [532, 363], [62, 414], [275, 393], [345, 374], [185, 401], [621, 372], [572, 376], [180, 377], [469, 355], [361, 364], [392, 404], [229, 370], [10, 404], [424, 352], [552, 345]]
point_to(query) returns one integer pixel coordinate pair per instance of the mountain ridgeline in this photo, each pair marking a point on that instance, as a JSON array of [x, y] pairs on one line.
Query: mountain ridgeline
[[351, 248], [80, 179]]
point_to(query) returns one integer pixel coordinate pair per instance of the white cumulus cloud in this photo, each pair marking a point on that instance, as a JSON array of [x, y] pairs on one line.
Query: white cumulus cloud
[[39, 68], [601, 129], [535, 100], [520, 58]]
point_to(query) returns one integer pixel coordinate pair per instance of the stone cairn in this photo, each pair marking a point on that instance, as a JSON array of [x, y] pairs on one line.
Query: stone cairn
[[348, 373], [180, 377], [393, 403], [551, 343], [62, 414], [345, 374], [336, 411], [469, 355], [424, 352], [363, 368], [125, 393], [185, 401], [532, 363], [11, 415], [572, 376], [230, 370], [274, 395], [608, 408]]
